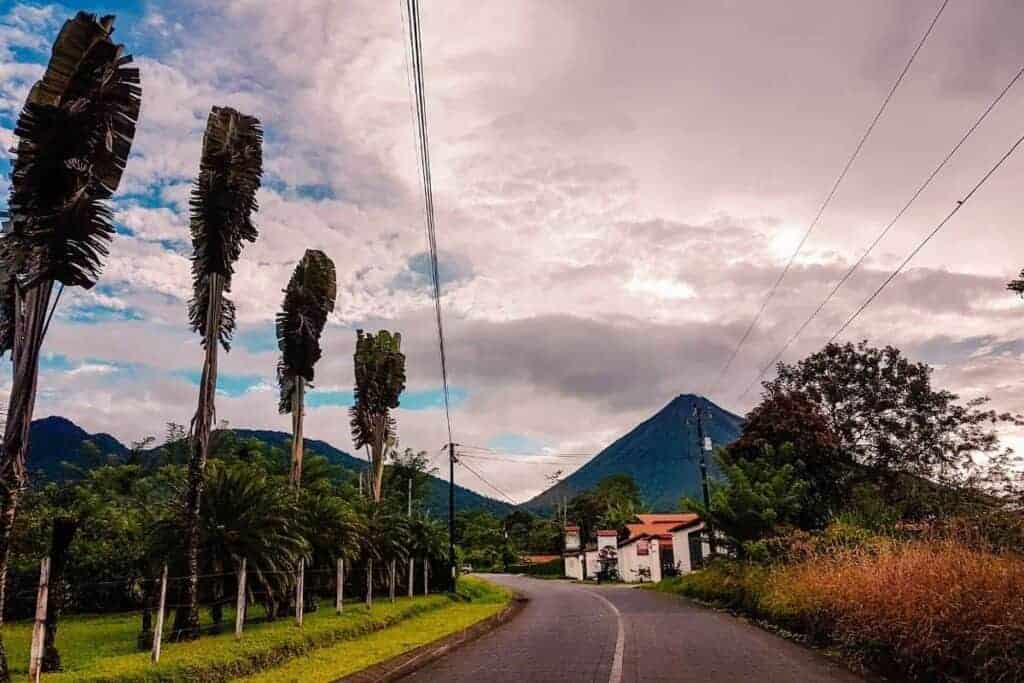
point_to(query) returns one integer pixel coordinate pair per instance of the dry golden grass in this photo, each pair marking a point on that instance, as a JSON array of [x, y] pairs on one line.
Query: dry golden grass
[[935, 609]]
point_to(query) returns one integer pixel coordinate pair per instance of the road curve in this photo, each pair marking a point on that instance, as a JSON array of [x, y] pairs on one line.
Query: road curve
[[617, 634]]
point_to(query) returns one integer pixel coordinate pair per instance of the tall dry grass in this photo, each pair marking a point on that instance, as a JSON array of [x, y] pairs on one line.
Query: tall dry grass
[[934, 609]]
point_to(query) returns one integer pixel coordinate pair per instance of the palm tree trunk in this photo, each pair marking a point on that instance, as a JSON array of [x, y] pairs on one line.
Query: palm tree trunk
[[298, 408], [186, 619], [64, 529], [29, 329], [377, 455]]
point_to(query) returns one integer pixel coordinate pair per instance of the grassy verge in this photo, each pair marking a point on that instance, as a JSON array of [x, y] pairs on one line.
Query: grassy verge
[[102, 649], [330, 663], [930, 610]]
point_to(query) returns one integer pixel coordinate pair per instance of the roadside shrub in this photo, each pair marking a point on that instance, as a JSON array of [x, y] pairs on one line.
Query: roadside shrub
[[552, 568], [935, 610]]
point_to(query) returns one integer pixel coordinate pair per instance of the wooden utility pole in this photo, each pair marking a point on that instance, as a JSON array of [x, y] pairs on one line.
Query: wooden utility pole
[[704, 443]]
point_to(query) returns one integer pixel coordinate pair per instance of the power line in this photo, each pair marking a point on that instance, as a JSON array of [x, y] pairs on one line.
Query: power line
[[519, 461], [892, 276], [927, 239], [423, 138], [881, 235], [579, 454], [484, 480], [828, 198]]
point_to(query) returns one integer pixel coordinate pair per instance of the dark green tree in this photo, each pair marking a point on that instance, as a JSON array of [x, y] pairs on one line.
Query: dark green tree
[[791, 418], [887, 418], [222, 202], [757, 497]]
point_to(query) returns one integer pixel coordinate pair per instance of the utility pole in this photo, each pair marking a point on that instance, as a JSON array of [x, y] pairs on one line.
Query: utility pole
[[451, 515], [705, 448]]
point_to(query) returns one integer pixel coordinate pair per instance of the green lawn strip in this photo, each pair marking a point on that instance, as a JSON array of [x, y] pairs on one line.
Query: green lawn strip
[[482, 599], [221, 657], [84, 639]]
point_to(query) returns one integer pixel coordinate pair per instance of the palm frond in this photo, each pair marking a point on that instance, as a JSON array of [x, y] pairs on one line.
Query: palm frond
[[308, 300], [222, 202], [74, 136]]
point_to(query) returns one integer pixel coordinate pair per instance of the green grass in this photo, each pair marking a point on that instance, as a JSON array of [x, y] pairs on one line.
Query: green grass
[[103, 648], [330, 663], [98, 648]]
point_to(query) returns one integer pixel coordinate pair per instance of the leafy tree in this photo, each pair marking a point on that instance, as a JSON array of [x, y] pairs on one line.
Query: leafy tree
[[73, 139], [758, 495], [223, 199], [244, 514], [380, 379], [481, 537], [789, 417], [886, 417], [308, 300], [612, 504]]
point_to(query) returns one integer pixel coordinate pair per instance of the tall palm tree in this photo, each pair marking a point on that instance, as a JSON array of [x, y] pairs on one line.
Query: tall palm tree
[[74, 136], [222, 202], [380, 380], [308, 300]]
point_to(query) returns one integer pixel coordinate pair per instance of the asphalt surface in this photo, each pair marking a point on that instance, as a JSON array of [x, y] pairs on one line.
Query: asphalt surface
[[617, 634]]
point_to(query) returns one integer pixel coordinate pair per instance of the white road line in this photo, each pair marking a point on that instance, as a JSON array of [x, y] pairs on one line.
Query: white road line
[[620, 640]]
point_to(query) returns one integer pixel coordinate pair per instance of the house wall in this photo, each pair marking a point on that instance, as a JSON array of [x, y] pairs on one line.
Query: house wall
[[593, 566], [681, 547], [574, 567], [630, 562]]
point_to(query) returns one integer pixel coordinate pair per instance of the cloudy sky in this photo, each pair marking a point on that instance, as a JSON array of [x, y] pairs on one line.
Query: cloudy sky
[[617, 186]]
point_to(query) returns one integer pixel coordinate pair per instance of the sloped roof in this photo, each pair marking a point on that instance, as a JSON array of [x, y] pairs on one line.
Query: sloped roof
[[659, 526]]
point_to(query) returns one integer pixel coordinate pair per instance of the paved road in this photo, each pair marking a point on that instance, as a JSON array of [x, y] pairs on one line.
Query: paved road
[[616, 634]]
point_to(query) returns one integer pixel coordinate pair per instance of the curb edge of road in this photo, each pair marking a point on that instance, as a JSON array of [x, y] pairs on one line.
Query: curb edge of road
[[417, 658]]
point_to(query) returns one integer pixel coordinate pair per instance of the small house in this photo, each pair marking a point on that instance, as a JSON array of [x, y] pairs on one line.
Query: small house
[[648, 552]]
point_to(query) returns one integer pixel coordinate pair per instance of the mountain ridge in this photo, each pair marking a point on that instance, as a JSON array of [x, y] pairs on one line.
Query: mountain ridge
[[55, 443]]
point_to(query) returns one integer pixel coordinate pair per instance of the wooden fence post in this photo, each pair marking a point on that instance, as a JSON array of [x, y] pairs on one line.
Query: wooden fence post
[[412, 574], [35, 664], [300, 581], [339, 600], [240, 602], [158, 630], [394, 571]]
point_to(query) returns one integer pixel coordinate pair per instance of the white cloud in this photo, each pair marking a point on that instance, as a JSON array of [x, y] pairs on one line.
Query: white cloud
[[625, 186]]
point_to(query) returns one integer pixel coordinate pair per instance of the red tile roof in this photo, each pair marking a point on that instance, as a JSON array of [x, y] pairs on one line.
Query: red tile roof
[[659, 526], [607, 532], [540, 559]]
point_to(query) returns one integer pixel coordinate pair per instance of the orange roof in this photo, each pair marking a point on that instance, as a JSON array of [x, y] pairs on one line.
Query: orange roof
[[670, 518], [659, 526], [540, 559]]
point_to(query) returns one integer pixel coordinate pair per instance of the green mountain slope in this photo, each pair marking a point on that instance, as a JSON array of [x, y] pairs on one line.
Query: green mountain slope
[[56, 440], [661, 454]]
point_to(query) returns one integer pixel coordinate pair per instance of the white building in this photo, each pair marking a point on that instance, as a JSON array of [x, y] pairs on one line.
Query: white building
[[648, 552], [583, 562], [688, 548], [575, 557]]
